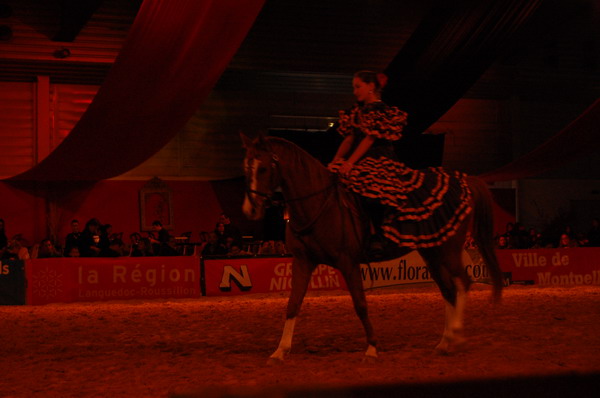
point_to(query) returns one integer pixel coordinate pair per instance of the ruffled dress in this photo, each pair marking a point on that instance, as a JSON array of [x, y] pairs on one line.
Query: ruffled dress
[[423, 207]]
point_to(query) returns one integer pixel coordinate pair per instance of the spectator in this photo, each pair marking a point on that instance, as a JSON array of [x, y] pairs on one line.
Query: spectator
[[593, 236], [565, 241], [161, 238], [220, 232], [520, 236], [230, 229], [116, 248], [534, 239], [267, 248], [280, 248], [15, 249], [143, 248], [90, 239], [47, 250], [73, 238], [236, 250], [105, 232], [170, 248], [3, 238], [74, 252], [503, 242], [213, 247]]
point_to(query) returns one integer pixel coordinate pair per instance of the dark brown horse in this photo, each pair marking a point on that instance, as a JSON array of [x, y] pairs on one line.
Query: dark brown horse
[[326, 227]]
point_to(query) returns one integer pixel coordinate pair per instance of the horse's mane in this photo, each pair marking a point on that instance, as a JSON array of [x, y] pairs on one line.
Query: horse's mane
[[298, 158]]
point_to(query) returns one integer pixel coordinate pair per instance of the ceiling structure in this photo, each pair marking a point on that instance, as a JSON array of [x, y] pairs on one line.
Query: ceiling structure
[[311, 48]]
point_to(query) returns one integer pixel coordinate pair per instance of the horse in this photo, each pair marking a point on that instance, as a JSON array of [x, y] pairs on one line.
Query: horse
[[326, 226]]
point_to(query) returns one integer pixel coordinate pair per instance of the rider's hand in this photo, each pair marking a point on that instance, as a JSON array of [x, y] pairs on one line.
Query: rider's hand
[[345, 168]]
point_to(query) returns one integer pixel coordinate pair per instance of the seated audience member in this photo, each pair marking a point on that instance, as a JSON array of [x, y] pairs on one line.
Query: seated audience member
[[593, 235], [565, 241], [236, 250], [534, 239], [3, 238], [220, 232], [520, 236], [90, 239], [213, 247], [47, 250], [105, 233], [73, 238], [15, 249], [116, 248], [267, 248], [160, 238], [230, 229], [503, 242], [280, 248], [169, 248], [74, 252], [143, 248]]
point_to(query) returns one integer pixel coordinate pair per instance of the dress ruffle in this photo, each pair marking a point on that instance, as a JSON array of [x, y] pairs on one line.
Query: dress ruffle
[[425, 207], [376, 119]]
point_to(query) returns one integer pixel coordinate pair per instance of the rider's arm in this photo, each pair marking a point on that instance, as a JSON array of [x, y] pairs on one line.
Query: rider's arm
[[344, 147], [361, 149]]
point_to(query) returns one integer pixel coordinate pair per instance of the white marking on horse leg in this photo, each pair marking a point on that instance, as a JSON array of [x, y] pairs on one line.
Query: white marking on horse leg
[[371, 352], [454, 319], [285, 344]]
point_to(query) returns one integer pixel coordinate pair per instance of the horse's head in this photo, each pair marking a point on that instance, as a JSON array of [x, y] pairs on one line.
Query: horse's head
[[262, 176]]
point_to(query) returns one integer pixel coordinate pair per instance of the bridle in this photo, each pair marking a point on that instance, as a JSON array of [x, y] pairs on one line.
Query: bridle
[[275, 182]]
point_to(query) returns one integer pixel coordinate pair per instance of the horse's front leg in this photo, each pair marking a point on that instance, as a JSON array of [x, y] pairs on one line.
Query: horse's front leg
[[301, 273]]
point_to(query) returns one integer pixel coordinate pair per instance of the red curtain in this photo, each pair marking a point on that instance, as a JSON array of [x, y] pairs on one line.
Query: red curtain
[[172, 58], [576, 140]]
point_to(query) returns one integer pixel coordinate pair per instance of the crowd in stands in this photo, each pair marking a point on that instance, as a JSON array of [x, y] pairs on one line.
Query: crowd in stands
[[98, 240], [517, 236]]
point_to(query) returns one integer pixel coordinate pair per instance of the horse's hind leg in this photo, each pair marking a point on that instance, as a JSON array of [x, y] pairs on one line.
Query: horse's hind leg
[[355, 286], [453, 329], [447, 270], [301, 273]]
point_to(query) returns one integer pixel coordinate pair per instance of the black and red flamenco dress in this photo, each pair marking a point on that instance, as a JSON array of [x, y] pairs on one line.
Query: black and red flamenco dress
[[423, 207]]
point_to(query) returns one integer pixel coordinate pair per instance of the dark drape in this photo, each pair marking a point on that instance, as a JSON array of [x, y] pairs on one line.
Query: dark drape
[[172, 58], [452, 47], [576, 140]]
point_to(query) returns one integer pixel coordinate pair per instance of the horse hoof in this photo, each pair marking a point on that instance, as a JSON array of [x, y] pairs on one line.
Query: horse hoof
[[274, 362], [369, 359], [442, 349]]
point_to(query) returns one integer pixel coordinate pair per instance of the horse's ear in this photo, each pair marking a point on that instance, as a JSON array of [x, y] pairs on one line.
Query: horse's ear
[[260, 139], [246, 141]]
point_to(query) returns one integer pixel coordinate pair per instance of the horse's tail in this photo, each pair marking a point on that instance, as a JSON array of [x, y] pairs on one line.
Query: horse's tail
[[483, 231]]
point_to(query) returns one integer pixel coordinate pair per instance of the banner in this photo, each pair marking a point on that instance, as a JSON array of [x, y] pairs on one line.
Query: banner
[[411, 268], [12, 282], [238, 275], [552, 267], [241, 275], [52, 280]]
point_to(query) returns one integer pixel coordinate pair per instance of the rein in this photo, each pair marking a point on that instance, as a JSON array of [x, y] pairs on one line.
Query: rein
[[305, 229]]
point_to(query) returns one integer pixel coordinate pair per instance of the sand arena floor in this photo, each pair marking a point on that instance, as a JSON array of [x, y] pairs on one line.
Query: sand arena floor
[[158, 348]]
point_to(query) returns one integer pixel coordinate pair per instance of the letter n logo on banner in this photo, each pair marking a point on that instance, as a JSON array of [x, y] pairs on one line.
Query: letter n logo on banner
[[241, 279]]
